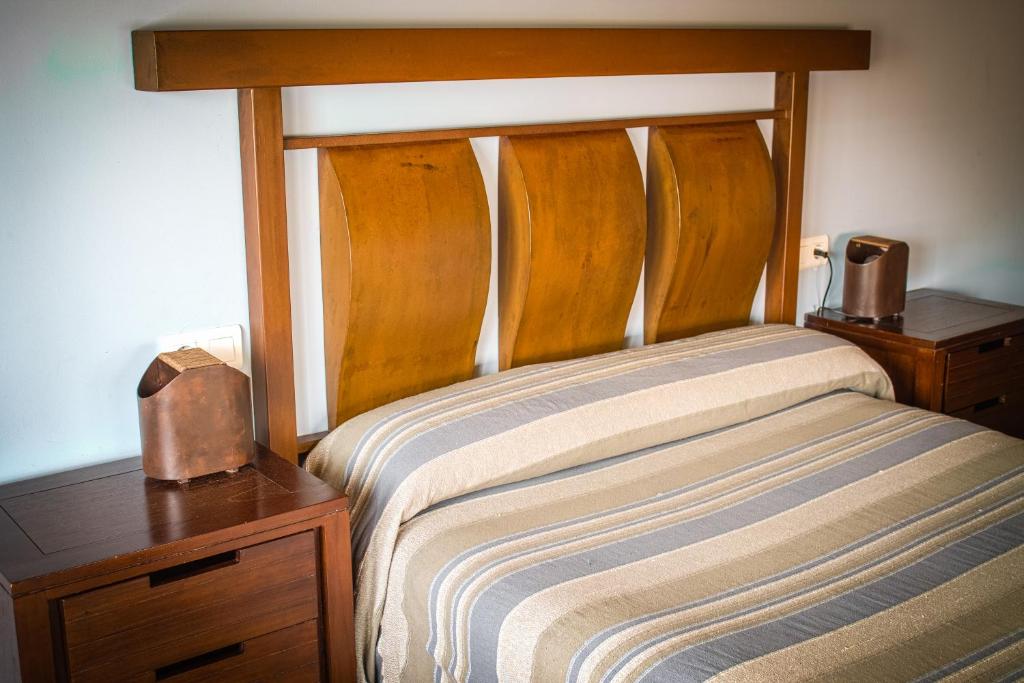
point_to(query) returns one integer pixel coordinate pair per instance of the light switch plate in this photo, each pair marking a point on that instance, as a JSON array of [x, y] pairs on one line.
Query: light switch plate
[[223, 342], [807, 247]]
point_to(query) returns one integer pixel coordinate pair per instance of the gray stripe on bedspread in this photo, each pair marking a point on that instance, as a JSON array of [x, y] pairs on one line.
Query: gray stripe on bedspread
[[701, 662], [481, 425], [454, 562], [498, 600], [595, 641], [976, 656]]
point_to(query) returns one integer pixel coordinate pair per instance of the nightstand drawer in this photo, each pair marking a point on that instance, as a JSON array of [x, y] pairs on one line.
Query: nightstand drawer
[[1005, 350], [984, 373], [291, 655], [1003, 412], [190, 609]]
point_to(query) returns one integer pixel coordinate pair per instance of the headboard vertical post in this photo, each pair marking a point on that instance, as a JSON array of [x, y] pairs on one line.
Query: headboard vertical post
[[789, 137], [266, 253]]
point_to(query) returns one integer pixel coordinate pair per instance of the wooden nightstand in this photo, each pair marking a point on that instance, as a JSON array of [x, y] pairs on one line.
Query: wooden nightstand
[[948, 353], [110, 576]]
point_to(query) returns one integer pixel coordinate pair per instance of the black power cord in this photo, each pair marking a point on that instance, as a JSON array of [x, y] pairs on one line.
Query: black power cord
[[824, 254]]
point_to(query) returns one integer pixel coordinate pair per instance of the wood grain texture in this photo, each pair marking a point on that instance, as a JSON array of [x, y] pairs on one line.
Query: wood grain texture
[[338, 606], [197, 60], [286, 656], [62, 528], [570, 242], [266, 257], [90, 539], [405, 251], [789, 141], [123, 628], [308, 442], [711, 209], [39, 656], [9, 667], [405, 136], [934, 319]]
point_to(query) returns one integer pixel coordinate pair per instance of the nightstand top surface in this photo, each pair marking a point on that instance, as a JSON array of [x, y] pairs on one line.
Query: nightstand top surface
[[62, 523], [932, 318]]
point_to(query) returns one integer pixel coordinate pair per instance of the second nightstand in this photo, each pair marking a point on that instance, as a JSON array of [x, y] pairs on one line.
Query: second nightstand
[[107, 575], [948, 353]]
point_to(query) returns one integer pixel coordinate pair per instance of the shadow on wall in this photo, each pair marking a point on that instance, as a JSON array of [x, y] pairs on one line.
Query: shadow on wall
[[838, 255]]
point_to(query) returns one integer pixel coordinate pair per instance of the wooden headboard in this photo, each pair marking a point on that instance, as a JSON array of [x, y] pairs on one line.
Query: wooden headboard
[[405, 233]]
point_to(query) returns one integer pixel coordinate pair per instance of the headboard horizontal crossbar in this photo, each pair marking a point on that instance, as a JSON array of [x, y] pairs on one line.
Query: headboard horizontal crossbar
[[399, 137], [204, 60]]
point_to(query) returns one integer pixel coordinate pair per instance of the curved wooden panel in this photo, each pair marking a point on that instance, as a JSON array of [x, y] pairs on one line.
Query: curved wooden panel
[[405, 249], [571, 244], [711, 212]]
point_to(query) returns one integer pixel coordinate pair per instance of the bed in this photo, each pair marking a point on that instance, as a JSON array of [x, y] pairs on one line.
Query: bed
[[729, 501], [747, 504]]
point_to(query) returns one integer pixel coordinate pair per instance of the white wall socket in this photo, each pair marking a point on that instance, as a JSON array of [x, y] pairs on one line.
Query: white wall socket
[[807, 247], [223, 342]]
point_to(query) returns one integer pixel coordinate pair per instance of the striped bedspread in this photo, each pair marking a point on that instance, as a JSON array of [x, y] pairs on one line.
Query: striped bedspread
[[739, 505]]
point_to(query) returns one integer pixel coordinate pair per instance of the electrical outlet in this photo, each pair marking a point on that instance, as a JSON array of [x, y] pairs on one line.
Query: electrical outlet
[[807, 247], [223, 342]]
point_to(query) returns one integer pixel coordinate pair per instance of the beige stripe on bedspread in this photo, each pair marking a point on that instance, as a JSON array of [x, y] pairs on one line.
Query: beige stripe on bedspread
[[911, 508]]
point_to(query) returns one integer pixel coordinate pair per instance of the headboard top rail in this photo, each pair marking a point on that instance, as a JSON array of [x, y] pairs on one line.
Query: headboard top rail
[[214, 59]]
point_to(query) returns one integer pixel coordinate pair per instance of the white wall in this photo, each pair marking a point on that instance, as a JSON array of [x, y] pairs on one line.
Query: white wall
[[121, 211]]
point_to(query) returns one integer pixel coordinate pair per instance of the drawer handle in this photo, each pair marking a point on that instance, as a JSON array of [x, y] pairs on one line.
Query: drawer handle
[[200, 566], [990, 403], [994, 345], [199, 661]]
